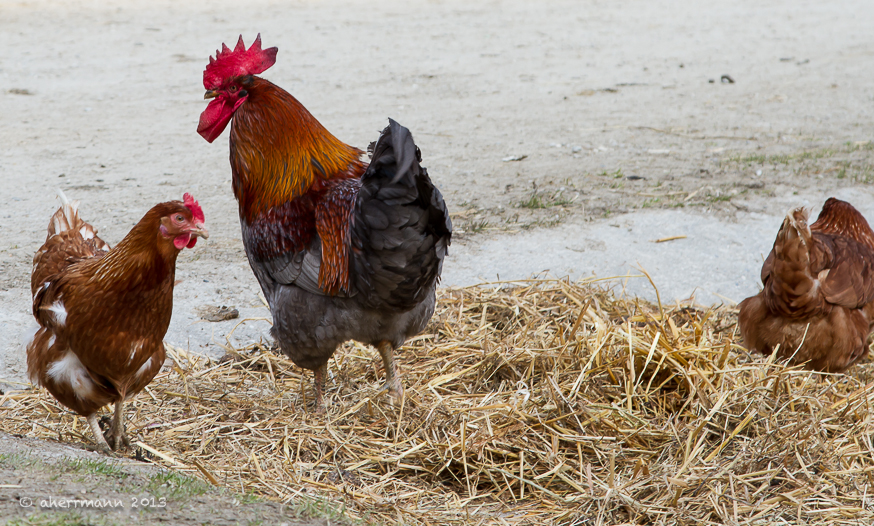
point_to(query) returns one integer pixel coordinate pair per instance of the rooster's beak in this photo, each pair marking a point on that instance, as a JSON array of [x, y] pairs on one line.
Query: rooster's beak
[[201, 231], [210, 94]]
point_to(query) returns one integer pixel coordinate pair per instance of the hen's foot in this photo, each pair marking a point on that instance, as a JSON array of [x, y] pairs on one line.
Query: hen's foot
[[118, 442], [102, 445], [117, 437]]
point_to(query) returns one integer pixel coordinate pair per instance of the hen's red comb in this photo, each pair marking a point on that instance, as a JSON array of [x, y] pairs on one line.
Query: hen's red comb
[[240, 61], [192, 205]]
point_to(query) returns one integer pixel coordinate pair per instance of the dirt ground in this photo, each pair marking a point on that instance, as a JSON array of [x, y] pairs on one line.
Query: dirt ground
[[549, 127], [49, 483]]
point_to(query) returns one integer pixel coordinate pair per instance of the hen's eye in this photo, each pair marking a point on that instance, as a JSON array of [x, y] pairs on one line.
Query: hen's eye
[[180, 219]]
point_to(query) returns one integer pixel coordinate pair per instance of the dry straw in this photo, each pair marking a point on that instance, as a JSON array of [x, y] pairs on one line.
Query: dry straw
[[538, 402]]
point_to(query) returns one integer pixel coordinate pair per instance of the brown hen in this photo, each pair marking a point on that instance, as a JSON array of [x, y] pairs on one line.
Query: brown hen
[[103, 313], [817, 302]]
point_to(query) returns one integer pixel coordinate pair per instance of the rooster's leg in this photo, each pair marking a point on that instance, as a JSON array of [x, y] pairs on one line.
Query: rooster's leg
[[117, 436], [319, 381], [393, 384], [98, 434]]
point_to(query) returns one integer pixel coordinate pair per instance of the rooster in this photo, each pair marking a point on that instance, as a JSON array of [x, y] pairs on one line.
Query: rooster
[[103, 312], [343, 250], [817, 304]]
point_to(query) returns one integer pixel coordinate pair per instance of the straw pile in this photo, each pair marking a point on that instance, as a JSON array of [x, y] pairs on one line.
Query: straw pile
[[546, 402]]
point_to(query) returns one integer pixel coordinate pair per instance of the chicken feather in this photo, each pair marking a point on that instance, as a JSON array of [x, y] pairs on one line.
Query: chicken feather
[[343, 250], [103, 312], [817, 303]]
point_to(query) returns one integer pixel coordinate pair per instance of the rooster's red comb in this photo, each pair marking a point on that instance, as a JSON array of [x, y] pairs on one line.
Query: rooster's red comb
[[240, 61], [192, 205]]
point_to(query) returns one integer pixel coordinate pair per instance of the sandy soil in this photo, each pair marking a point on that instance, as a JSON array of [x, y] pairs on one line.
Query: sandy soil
[[565, 136]]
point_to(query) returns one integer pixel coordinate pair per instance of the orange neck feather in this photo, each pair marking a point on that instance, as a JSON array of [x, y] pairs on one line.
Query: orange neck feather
[[141, 259], [279, 151]]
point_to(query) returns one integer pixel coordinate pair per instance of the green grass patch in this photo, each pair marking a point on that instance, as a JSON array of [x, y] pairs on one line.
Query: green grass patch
[[319, 508], [60, 519], [79, 466], [17, 460], [865, 175], [538, 200], [93, 467], [718, 198], [806, 155], [748, 159], [617, 174], [860, 145], [248, 498], [535, 201], [175, 486], [478, 226]]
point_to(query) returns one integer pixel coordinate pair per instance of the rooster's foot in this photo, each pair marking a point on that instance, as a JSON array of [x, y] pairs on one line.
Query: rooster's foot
[[319, 385], [392, 384], [393, 388]]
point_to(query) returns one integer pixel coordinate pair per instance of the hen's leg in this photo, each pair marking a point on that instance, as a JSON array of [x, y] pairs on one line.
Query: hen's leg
[[392, 379], [117, 436], [319, 380], [98, 434]]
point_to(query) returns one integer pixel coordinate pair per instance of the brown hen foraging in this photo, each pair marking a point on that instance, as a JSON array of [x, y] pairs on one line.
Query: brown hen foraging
[[103, 312], [817, 302]]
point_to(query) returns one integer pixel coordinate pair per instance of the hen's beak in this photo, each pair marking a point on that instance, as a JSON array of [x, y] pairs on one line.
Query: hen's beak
[[200, 230], [210, 94]]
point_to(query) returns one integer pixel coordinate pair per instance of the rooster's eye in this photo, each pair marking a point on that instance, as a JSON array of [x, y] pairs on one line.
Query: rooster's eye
[[233, 89]]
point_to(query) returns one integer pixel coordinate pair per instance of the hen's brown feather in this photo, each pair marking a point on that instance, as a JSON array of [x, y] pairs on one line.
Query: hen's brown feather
[[102, 313], [817, 300], [69, 239], [842, 219]]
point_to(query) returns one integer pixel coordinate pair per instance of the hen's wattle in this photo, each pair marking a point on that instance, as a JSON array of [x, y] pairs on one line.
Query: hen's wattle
[[103, 312]]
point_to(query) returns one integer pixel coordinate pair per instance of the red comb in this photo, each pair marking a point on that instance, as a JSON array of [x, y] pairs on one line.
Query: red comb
[[240, 61], [192, 205]]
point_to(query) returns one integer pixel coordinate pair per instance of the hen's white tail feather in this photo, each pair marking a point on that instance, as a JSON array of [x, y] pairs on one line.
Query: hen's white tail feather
[[67, 218]]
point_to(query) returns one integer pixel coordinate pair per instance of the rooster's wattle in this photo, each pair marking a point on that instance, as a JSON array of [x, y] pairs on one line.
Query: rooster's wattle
[[343, 249]]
